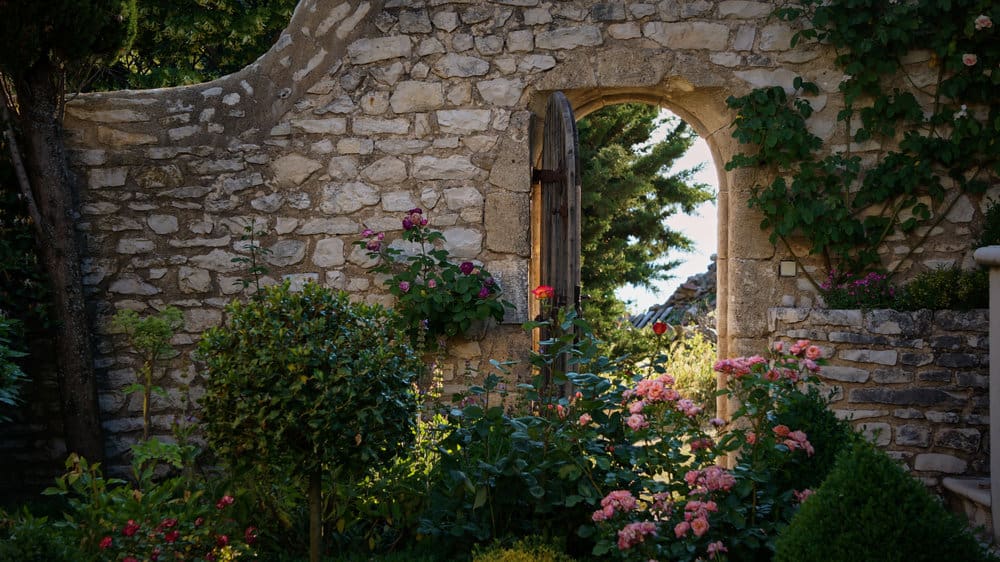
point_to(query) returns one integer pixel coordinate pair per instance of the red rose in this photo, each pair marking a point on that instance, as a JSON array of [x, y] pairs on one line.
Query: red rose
[[105, 543], [659, 328], [543, 292]]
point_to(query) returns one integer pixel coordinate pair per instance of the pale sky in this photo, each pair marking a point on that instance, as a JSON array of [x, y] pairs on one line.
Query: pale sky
[[701, 228]]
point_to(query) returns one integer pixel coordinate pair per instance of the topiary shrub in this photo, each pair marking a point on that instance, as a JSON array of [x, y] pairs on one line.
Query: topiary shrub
[[308, 382], [829, 435], [946, 288], [868, 508]]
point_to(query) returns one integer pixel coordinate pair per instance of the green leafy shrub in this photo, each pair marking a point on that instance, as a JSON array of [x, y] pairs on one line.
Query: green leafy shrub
[[531, 549], [946, 288], [868, 508], [305, 383], [26, 538], [690, 362], [150, 336]]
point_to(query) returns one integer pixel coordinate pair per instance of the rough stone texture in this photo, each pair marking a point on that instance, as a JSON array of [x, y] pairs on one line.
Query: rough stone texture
[[927, 366], [360, 103]]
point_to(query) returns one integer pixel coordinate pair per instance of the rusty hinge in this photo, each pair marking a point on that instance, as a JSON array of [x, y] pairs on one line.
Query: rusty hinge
[[548, 176]]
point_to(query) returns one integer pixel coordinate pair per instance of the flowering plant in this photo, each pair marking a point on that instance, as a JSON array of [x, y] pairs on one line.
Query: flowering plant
[[844, 290], [632, 459], [435, 297]]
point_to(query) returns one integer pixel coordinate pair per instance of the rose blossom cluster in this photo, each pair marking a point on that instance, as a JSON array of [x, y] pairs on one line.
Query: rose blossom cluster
[[710, 479], [793, 439], [635, 533], [653, 391], [620, 501], [695, 518], [414, 218]]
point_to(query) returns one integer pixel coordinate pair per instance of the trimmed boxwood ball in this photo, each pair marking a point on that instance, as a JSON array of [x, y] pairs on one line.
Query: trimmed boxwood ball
[[869, 509], [308, 382]]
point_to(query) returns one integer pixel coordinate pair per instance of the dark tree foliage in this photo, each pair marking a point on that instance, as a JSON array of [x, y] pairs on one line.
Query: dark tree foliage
[[192, 41], [628, 193], [43, 47]]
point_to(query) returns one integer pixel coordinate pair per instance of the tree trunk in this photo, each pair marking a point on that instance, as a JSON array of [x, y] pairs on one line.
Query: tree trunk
[[55, 193], [315, 515]]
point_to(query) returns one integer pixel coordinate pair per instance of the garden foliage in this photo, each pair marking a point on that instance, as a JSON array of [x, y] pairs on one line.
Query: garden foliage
[[844, 207], [436, 298], [870, 509], [307, 384], [11, 375]]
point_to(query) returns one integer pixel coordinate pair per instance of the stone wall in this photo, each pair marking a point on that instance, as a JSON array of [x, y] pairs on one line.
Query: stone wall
[[362, 110], [917, 383]]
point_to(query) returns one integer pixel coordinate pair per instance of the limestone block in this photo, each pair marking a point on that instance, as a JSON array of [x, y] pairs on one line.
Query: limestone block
[[463, 121], [106, 115], [456, 167], [608, 11], [206, 167], [913, 436], [135, 246], [402, 146], [695, 8], [460, 66], [341, 198], [630, 67], [775, 37], [364, 51], [630, 30], [201, 242], [286, 252], [330, 126], [99, 208], [967, 440], [414, 21], [502, 92], [489, 45], [268, 203], [349, 23], [193, 280], [398, 201], [359, 256], [763, 78], [293, 169], [962, 211], [131, 285], [410, 96], [90, 157], [445, 21], [106, 177], [745, 36], [744, 10], [688, 35], [512, 275], [114, 138], [480, 143], [385, 171], [355, 146], [461, 42], [934, 462], [520, 40], [462, 197], [536, 63], [329, 252], [844, 374], [335, 225], [537, 16], [389, 74], [507, 223], [218, 260], [881, 357], [162, 224], [569, 38], [463, 242], [373, 126], [510, 170], [200, 319]]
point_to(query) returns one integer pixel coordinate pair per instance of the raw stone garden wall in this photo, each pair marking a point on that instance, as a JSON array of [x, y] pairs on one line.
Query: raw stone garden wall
[[916, 383], [362, 110]]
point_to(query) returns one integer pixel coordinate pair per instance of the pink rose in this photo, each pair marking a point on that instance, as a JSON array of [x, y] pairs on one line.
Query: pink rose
[[637, 422], [700, 526], [681, 529], [969, 59], [983, 22], [585, 419], [813, 352], [715, 548]]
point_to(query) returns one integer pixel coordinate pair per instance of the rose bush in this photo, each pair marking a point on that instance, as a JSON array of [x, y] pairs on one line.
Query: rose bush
[[435, 296]]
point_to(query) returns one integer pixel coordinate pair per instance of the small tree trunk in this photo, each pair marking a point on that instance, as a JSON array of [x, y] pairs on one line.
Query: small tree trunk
[[315, 515], [53, 190]]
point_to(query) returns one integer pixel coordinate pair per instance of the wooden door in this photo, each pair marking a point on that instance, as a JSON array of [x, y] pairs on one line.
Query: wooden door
[[559, 243]]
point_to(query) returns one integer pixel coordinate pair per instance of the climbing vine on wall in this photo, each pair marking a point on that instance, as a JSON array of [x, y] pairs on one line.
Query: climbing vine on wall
[[919, 76]]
